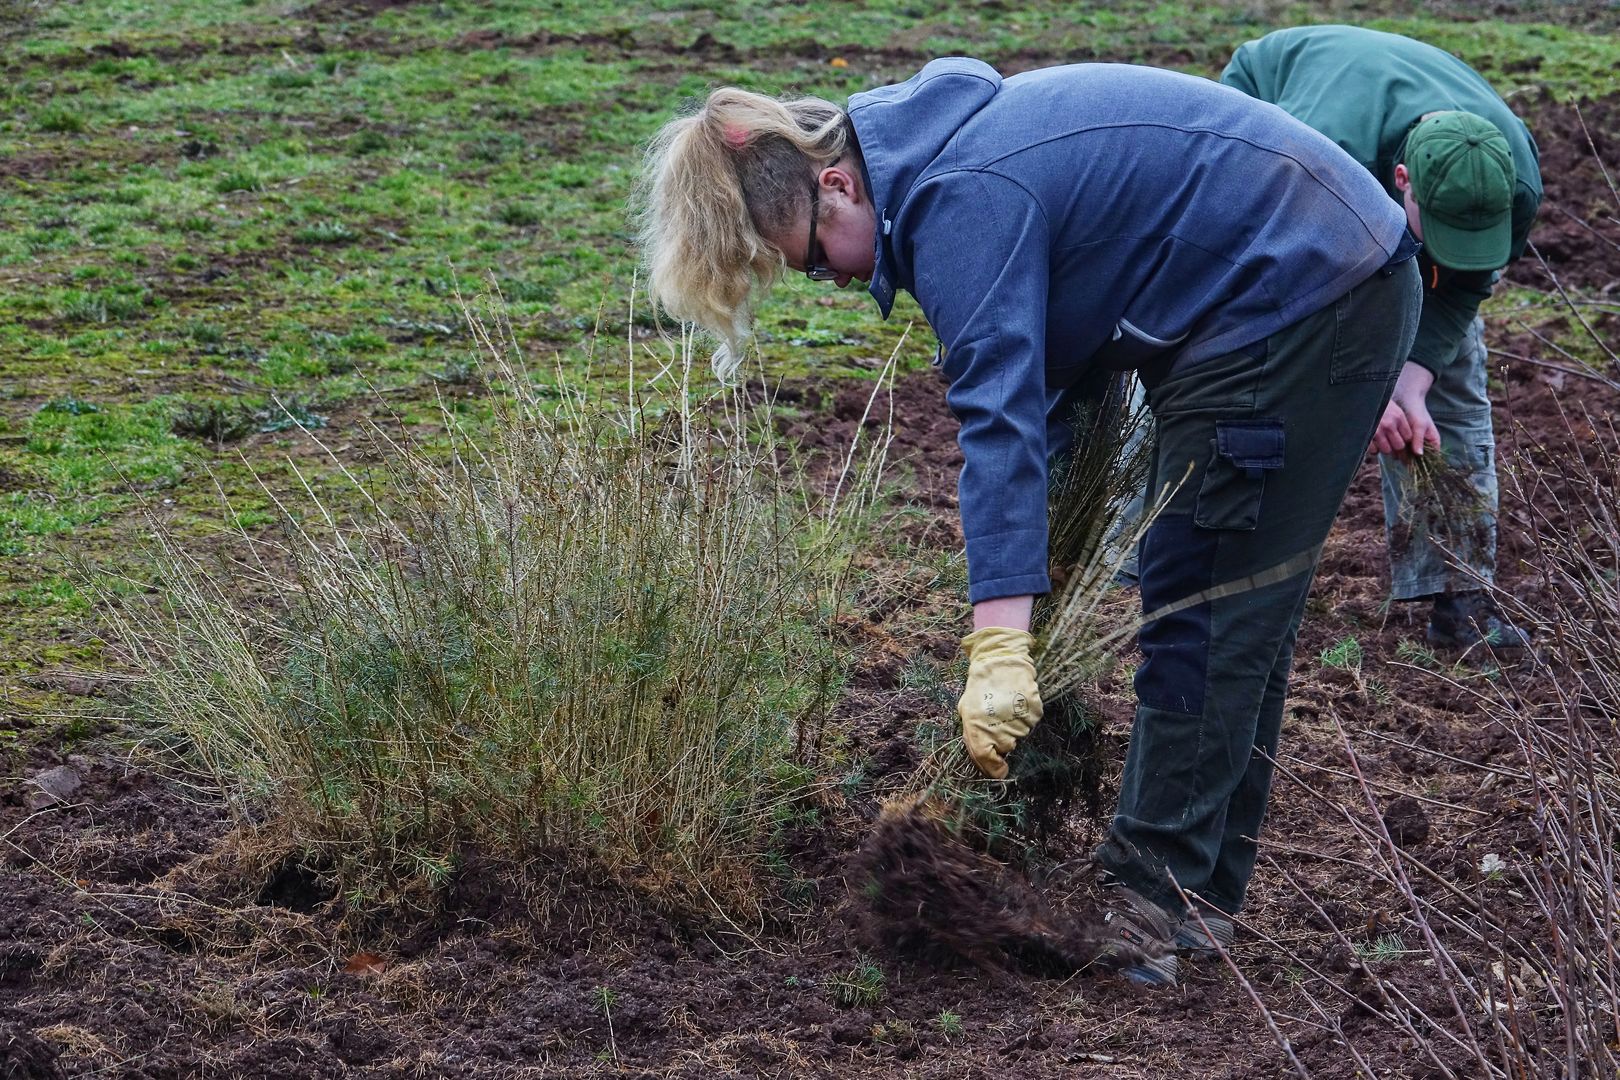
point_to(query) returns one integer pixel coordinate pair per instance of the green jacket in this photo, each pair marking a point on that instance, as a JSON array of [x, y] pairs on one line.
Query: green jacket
[[1365, 90]]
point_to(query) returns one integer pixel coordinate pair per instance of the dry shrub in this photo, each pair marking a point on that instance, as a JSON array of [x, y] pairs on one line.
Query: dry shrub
[[588, 631], [1528, 987], [1519, 969]]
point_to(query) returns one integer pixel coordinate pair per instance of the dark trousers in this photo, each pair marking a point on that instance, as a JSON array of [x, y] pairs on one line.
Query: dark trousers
[[1273, 434]]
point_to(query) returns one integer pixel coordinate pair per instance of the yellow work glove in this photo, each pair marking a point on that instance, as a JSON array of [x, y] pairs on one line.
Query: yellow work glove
[[1001, 703]]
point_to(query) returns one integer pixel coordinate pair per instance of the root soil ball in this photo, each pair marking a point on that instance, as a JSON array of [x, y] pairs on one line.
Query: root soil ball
[[927, 890]]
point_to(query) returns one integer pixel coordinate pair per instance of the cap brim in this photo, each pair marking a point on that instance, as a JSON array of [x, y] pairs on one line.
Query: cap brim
[[1468, 249]]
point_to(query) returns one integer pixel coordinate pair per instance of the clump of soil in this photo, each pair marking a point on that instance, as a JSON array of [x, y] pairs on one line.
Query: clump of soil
[[25, 1056], [1407, 822], [926, 890]]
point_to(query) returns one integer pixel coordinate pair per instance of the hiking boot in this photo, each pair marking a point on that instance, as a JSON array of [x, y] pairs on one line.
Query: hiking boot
[[1198, 941], [1134, 926], [1463, 620]]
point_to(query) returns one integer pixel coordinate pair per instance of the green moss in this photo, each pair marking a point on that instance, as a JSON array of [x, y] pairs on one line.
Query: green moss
[[25, 519]]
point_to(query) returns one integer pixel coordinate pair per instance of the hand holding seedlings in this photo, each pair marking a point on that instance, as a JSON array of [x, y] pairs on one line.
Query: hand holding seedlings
[[1000, 703], [1406, 424]]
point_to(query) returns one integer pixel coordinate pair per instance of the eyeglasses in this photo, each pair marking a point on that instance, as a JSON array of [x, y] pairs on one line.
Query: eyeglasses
[[813, 270]]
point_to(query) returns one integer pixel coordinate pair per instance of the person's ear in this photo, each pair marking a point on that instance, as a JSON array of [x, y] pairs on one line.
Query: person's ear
[[1403, 179], [842, 180]]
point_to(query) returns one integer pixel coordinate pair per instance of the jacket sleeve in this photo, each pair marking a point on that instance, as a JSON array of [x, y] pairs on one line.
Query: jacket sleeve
[[979, 249], [1449, 309]]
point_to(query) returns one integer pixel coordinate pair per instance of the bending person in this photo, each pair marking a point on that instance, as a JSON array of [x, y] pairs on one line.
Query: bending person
[[1466, 171], [1053, 224]]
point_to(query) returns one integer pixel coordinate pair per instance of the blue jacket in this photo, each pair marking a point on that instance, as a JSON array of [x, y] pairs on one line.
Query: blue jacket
[[1094, 214]]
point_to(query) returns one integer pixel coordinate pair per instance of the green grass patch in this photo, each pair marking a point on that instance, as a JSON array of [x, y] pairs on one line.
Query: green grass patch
[[1345, 654], [104, 305], [65, 595], [84, 448], [84, 461], [238, 180], [62, 121], [518, 215], [26, 519]]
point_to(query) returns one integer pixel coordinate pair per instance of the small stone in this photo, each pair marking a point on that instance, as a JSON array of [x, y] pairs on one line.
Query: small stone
[[1407, 822], [55, 786]]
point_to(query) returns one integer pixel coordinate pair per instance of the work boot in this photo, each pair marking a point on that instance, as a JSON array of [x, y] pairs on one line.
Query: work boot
[[1136, 927], [1198, 941], [1462, 620]]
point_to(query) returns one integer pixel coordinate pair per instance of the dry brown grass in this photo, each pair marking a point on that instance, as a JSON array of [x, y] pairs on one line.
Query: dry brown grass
[[593, 631], [1518, 976]]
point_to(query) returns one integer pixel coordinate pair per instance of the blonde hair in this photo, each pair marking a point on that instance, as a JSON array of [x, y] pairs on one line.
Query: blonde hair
[[714, 182]]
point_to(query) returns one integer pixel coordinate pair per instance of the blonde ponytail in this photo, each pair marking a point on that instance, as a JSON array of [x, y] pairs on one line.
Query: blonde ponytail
[[714, 181]]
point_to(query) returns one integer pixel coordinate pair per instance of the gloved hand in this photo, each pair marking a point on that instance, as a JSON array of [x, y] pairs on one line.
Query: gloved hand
[[1001, 703]]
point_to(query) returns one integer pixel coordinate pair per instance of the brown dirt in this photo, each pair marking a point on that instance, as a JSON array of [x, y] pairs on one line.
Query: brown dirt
[[926, 889], [1578, 229], [141, 936]]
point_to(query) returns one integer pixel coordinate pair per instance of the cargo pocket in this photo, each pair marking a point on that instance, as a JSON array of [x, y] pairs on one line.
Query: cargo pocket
[[1241, 454]]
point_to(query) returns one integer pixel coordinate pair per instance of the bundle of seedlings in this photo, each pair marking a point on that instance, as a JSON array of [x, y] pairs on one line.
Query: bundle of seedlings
[[944, 868], [1440, 486], [574, 631], [1095, 516], [1442, 506]]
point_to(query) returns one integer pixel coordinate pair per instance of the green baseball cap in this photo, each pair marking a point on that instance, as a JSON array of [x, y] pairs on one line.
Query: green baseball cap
[[1462, 180]]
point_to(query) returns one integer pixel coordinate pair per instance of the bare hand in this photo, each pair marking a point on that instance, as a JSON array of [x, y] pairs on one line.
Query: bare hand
[[1394, 431], [1406, 424]]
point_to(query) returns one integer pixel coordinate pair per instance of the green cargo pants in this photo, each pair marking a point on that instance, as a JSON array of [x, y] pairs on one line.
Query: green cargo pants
[[1273, 433]]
